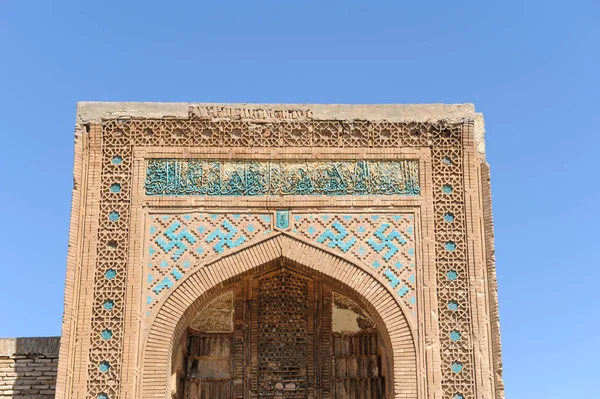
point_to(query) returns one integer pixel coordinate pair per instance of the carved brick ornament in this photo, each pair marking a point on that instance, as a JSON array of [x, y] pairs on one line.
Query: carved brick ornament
[[401, 200]]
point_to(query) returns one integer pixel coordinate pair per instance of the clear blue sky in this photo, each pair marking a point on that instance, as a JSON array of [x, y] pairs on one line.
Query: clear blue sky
[[530, 66]]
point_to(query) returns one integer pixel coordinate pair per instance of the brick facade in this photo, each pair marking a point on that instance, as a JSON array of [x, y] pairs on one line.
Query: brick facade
[[175, 204], [28, 367]]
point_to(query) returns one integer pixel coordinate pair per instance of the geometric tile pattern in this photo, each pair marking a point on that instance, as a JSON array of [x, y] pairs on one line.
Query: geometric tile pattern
[[178, 244], [383, 242], [110, 276]]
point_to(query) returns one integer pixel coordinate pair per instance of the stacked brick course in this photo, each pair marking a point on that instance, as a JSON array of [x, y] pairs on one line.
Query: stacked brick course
[[28, 367]]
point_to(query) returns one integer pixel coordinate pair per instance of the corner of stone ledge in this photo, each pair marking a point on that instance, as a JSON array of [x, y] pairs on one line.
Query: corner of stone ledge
[[85, 112], [479, 136], [92, 111]]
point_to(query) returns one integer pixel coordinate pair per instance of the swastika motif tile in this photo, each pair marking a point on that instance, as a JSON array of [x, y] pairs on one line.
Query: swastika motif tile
[[179, 243], [383, 242]]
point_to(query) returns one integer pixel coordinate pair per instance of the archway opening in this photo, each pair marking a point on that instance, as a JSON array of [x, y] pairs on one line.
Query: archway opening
[[282, 332]]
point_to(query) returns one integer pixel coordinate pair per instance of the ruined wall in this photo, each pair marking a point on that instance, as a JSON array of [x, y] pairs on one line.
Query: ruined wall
[[28, 367]]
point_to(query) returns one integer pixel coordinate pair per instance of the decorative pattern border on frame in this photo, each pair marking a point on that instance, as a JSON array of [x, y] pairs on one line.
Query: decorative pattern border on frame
[[445, 140], [454, 304], [104, 367]]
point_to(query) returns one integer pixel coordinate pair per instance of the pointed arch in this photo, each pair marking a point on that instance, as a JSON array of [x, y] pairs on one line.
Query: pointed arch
[[179, 307]]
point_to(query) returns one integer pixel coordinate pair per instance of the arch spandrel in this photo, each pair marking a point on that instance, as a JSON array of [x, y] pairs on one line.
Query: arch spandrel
[[383, 244], [178, 309]]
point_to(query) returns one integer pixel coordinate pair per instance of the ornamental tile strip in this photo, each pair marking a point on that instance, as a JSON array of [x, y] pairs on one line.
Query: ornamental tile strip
[[251, 178], [104, 366], [454, 303]]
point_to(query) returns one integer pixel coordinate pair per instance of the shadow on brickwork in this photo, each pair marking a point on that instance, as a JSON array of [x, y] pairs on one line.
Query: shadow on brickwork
[[28, 367]]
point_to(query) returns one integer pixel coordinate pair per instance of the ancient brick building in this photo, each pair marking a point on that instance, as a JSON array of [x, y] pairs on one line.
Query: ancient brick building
[[28, 367], [280, 251]]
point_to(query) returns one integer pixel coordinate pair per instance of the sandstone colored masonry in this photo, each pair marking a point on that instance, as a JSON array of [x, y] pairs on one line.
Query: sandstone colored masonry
[[302, 251], [28, 367]]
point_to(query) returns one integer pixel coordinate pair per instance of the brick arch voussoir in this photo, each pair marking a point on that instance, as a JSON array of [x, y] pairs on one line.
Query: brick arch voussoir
[[179, 307]]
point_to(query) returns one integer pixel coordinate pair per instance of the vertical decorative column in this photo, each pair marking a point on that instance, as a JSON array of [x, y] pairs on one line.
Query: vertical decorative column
[[452, 264], [104, 373]]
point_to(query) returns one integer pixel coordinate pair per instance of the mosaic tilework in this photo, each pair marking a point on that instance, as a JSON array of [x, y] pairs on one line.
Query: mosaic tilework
[[282, 219], [180, 243], [384, 242], [251, 178]]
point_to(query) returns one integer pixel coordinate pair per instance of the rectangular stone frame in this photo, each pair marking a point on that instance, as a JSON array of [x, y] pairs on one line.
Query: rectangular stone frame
[[401, 204], [83, 238]]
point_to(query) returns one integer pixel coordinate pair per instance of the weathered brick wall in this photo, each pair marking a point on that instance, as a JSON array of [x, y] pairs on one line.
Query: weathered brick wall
[[28, 367]]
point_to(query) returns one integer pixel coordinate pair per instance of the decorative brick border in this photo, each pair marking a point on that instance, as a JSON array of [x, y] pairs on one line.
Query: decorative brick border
[[176, 312]]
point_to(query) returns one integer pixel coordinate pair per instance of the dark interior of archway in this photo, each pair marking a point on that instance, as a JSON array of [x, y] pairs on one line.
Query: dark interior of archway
[[283, 335]]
